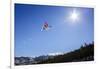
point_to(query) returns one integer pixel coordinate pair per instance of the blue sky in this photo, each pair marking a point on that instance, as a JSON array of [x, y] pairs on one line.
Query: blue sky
[[64, 36]]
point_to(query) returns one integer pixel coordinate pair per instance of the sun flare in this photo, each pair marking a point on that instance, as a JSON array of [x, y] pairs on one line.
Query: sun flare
[[74, 16]]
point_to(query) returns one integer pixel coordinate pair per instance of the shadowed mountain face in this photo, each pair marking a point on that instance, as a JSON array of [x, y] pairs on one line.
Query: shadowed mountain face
[[84, 53]]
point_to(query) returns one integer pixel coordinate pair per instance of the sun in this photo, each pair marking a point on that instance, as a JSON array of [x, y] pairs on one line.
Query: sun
[[74, 15]]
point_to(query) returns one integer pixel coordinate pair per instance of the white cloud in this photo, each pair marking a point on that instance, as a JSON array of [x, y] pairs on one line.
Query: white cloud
[[57, 53]]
